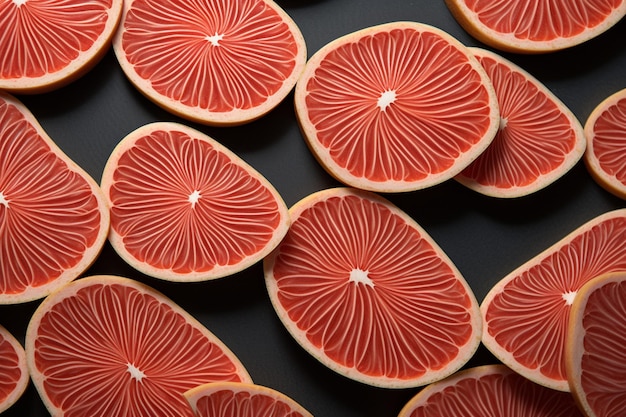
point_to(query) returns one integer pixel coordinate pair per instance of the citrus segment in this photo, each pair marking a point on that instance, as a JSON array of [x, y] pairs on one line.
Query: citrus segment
[[605, 130], [107, 346], [13, 371], [185, 208], [539, 139], [395, 107], [487, 391], [47, 44], [211, 61], [242, 400], [539, 26], [526, 314], [365, 290], [53, 217], [596, 365]]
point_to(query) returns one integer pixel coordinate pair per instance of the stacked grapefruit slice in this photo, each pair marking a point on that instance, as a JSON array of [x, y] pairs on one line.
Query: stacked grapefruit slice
[[13, 370]]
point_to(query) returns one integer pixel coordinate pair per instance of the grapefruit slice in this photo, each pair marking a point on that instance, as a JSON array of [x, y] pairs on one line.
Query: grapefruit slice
[[109, 346], [526, 314], [595, 356], [53, 216], [47, 44], [539, 26], [366, 291], [395, 107], [234, 399], [185, 208], [209, 61], [13, 371], [487, 391], [605, 130], [539, 139]]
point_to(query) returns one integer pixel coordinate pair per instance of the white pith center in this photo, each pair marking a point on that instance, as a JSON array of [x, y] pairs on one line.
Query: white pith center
[[385, 99], [214, 39], [18, 3], [569, 297], [503, 122], [358, 276], [194, 197], [3, 200], [135, 372]]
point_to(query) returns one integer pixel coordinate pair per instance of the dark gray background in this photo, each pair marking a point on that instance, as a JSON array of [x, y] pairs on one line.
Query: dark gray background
[[485, 237]]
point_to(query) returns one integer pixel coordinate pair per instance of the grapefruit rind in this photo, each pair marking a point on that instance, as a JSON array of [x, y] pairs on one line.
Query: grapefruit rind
[[19, 385], [344, 100]]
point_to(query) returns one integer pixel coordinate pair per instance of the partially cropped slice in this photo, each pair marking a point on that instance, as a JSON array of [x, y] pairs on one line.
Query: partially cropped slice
[[216, 62], [539, 139], [489, 391], [536, 26], [48, 44], [110, 346], [526, 314], [242, 400], [396, 107], [365, 290], [605, 130], [53, 216], [185, 208], [596, 359], [13, 371]]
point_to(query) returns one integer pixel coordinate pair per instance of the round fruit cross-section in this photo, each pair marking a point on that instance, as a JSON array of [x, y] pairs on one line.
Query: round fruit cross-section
[[46, 44], [185, 208], [53, 216], [605, 130], [539, 139], [365, 290], [526, 314], [536, 26], [216, 62], [109, 346], [396, 107], [13, 371]]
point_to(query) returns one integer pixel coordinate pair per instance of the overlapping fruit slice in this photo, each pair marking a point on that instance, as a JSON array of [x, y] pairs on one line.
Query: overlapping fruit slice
[[47, 44], [53, 217], [396, 107], [365, 290], [216, 62], [595, 355], [13, 371], [539, 139], [536, 26], [526, 314], [605, 130], [185, 208], [110, 346], [488, 391]]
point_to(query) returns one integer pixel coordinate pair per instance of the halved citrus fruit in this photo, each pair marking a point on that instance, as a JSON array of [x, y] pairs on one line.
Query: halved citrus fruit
[[211, 61], [605, 130], [595, 355], [185, 208], [395, 107], [53, 216], [539, 26], [539, 139], [234, 399], [526, 314], [488, 391], [365, 290], [109, 346], [13, 371], [47, 44]]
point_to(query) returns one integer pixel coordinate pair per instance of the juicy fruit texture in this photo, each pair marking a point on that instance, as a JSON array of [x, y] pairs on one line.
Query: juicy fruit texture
[[185, 208], [605, 130], [216, 62], [487, 391], [538, 26], [242, 400], [539, 139], [53, 217], [47, 44], [367, 292], [596, 365], [395, 107], [106, 346], [13, 371], [526, 314]]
